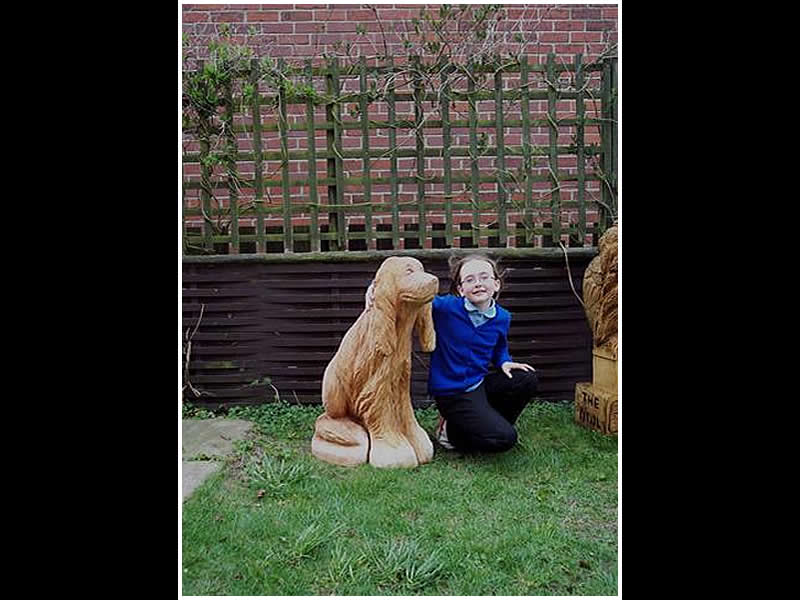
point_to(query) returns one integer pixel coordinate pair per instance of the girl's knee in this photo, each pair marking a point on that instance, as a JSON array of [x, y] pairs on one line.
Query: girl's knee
[[500, 441], [526, 384], [530, 380]]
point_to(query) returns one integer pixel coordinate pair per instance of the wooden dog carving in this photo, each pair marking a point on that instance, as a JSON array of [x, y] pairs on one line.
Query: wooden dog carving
[[366, 387]]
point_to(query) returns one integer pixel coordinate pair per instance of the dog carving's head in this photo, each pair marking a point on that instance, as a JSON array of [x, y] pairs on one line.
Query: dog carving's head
[[400, 280]]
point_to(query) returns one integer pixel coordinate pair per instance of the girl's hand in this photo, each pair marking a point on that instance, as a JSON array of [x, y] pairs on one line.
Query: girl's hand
[[507, 366], [369, 297]]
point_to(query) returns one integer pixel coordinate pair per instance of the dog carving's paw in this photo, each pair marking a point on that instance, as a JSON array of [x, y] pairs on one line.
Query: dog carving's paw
[[428, 344], [421, 442], [397, 453]]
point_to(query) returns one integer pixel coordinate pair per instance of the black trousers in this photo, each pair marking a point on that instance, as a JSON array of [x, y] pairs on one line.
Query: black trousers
[[483, 420]]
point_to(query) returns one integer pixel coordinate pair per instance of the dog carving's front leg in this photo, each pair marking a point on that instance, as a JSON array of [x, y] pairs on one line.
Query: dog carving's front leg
[[416, 435], [421, 442], [388, 446]]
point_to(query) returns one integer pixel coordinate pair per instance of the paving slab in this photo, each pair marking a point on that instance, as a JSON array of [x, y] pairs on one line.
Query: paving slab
[[207, 438], [196, 472], [212, 437]]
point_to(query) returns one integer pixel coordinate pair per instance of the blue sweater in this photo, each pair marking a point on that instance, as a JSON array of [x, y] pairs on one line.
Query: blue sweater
[[463, 351]]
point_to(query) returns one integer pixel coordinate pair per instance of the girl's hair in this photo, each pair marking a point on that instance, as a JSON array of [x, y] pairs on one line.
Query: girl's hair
[[456, 262]]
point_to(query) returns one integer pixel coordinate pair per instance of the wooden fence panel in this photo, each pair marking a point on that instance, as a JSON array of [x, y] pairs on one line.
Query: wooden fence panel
[[250, 318]]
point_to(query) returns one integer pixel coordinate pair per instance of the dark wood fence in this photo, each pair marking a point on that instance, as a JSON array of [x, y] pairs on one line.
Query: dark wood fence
[[262, 325], [397, 157]]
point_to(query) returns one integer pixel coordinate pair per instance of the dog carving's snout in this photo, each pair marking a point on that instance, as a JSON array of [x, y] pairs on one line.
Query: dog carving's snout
[[424, 286], [432, 285]]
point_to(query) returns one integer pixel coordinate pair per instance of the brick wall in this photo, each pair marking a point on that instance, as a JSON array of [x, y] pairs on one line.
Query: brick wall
[[298, 32], [310, 30]]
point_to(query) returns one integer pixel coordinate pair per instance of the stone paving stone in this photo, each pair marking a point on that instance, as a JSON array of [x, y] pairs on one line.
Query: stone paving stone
[[212, 437], [207, 437], [196, 472]]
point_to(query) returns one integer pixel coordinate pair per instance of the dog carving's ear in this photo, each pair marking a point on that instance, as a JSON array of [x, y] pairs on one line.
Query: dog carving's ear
[[384, 314], [424, 328]]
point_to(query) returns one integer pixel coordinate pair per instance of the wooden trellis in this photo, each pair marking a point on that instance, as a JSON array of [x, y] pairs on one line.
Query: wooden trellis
[[505, 206]]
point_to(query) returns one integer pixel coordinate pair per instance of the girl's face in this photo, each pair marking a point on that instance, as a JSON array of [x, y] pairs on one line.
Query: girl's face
[[478, 283]]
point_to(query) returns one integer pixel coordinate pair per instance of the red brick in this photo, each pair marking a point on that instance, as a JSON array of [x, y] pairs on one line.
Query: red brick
[[294, 39], [262, 15], [330, 15], [571, 49], [387, 14], [586, 37], [227, 17], [569, 25], [556, 14], [309, 27], [554, 37], [304, 50], [341, 27], [586, 13], [541, 26], [326, 38], [195, 17], [600, 25], [360, 15], [526, 13], [297, 15], [597, 48], [274, 28]]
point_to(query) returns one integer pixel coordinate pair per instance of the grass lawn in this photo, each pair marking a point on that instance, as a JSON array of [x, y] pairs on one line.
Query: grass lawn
[[538, 520]]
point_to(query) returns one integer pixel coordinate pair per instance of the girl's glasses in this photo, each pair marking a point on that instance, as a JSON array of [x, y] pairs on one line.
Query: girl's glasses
[[471, 280]]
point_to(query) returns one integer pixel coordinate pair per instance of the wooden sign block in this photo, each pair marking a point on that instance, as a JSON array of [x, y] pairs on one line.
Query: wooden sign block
[[604, 369], [596, 408]]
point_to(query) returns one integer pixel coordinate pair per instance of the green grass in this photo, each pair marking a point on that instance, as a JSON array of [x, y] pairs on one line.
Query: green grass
[[540, 519]]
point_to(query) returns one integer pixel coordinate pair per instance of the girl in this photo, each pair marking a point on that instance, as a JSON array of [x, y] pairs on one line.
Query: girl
[[477, 408]]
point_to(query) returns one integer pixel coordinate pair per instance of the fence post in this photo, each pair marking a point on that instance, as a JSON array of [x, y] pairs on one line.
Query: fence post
[[364, 109], [283, 126], [614, 133], [500, 162], [473, 153], [393, 157], [527, 220], [418, 119], [579, 135], [555, 195], [313, 196], [335, 167], [261, 245], [448, 182], [230, 159], [204, 130], [609, 143]]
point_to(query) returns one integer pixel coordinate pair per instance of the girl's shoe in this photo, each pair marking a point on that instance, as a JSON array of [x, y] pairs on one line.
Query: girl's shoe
[[441, 435]]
